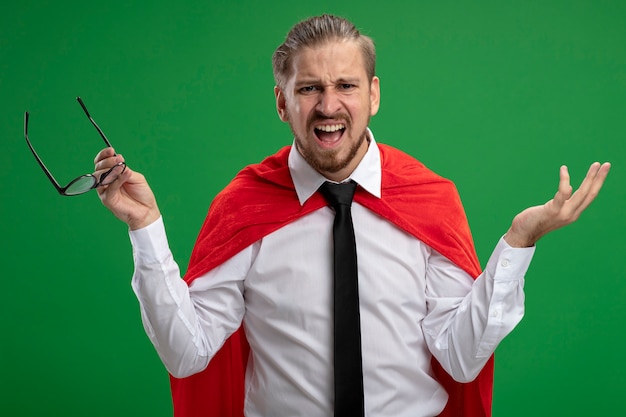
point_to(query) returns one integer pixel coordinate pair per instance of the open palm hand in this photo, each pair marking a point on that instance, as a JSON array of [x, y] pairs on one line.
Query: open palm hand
[[565, 208]]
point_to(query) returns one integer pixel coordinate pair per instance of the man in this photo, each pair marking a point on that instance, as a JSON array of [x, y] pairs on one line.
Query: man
[[264, 260]]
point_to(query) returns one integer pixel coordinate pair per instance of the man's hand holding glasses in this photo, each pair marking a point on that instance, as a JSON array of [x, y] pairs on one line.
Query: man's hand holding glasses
[[125, 192]]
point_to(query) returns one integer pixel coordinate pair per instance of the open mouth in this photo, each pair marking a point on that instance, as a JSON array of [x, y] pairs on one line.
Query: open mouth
[[330, 134]]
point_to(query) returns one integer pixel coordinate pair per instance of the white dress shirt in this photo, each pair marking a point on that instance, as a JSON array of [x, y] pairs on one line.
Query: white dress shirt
[[414, 303]]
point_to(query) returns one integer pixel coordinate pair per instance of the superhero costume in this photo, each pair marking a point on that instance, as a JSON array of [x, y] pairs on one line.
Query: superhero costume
[[261, 199]]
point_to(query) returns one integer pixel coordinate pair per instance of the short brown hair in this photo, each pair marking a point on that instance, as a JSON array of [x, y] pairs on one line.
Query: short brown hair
[[315, 31]]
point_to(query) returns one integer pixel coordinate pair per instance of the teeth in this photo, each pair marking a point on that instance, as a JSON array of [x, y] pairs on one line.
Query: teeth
[[331, 128]]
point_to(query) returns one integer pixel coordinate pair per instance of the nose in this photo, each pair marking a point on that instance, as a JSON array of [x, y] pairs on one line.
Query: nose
[[329, 102]]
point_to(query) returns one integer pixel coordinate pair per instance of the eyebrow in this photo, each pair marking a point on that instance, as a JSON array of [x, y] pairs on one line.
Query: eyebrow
[[316, 81]]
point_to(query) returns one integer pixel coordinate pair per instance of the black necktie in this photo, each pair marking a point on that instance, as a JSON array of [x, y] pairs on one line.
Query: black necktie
[[348, 364]]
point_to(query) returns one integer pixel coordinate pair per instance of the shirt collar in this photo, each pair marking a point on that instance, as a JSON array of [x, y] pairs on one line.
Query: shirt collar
[[307, 180]]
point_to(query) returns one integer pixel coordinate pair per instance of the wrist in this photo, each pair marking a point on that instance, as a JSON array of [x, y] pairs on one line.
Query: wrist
[[151, 217], [518, 240]]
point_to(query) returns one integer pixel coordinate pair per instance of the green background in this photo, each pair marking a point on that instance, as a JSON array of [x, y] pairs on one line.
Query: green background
[[494, 95]]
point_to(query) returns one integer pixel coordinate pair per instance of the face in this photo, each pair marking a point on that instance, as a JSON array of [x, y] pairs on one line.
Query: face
[[328, 101]]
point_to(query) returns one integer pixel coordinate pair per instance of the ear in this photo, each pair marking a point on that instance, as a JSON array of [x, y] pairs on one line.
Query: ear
[[281, 104], [374, 95]]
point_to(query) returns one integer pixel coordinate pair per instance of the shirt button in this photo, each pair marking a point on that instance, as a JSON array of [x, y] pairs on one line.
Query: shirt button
[[505, 263], [495, 313]]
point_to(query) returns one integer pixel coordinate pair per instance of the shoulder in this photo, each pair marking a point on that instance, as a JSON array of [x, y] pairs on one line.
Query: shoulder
[[258, 180], [253, 204], [400, 169], [426, 205]]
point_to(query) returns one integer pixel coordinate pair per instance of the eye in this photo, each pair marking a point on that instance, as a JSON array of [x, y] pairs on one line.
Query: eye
[[308, 89], [346, 86]]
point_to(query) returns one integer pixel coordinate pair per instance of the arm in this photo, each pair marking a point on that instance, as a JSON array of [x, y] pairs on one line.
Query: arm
[[186, 325], [467, 318], [464, 332], [186, 330]]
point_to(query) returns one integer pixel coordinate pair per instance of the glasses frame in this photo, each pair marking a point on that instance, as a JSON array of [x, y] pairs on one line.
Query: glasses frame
[[97, 182]]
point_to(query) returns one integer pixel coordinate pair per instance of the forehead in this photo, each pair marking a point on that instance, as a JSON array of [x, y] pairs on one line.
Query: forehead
[[329, 61]]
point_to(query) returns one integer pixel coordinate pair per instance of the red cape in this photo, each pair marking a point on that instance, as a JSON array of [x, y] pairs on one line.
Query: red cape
[[262, 199]]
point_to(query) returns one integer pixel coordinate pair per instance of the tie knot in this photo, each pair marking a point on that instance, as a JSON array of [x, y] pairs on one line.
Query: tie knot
[[338, 194]]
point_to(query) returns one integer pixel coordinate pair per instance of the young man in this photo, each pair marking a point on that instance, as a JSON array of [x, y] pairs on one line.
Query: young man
[[429, 319]]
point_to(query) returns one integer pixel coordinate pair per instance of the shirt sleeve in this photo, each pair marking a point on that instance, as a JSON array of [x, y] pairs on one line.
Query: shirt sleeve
[[186, 335], [466, 318]]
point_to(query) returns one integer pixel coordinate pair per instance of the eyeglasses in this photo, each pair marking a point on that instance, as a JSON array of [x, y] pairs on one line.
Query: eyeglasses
[[85, 182]]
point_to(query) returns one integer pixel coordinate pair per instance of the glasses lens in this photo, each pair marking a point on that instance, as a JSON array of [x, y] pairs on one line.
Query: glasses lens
[[80, 185], [111, 175]]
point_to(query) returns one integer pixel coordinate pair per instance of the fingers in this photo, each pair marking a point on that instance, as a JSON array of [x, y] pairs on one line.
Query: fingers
[[574, 204], [103, 154], [565, 189], [112, 188], [106, 159], [593, 182], [591, 185]]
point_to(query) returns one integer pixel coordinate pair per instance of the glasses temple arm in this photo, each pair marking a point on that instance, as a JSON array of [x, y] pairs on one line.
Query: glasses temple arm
[[41, 164], [93, 122]]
